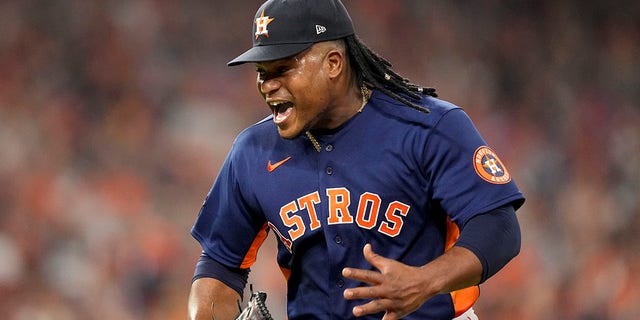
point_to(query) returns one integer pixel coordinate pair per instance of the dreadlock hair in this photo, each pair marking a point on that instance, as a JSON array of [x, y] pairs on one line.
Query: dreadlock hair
[[373, 70]]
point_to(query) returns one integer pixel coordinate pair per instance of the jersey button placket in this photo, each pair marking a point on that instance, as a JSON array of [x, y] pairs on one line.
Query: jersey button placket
[[329, 170]]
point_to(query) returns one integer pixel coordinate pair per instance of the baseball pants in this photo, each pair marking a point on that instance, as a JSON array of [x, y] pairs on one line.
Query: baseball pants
[[468, 315]]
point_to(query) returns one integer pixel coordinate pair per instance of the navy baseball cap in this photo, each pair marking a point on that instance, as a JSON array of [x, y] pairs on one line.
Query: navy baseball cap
[[282, 28]]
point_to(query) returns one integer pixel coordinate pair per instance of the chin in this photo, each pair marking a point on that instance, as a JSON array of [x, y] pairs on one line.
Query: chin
[[288, 134]]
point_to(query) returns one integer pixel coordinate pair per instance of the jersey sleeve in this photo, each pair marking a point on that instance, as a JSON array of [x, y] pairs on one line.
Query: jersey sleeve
[[468, 178], [230, 228]]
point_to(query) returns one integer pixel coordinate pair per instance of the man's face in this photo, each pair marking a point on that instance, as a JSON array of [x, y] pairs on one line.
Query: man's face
[[297, 89]]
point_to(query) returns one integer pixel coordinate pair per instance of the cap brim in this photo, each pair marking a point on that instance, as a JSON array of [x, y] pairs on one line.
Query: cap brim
[[269, 53]]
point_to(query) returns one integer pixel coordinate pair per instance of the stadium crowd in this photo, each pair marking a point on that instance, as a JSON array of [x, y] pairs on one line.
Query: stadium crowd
[[115, 116]]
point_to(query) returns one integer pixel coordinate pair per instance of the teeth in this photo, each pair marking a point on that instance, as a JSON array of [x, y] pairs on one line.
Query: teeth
[[279, 106]]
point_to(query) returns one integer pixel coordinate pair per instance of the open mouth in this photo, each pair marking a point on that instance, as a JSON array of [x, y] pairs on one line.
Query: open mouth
[[281, 111]]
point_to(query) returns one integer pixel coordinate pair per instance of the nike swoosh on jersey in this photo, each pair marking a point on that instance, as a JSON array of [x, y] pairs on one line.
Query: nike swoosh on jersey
[[271, 167]]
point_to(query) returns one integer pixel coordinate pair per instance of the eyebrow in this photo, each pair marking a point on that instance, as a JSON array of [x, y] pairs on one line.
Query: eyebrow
[[276, 64]]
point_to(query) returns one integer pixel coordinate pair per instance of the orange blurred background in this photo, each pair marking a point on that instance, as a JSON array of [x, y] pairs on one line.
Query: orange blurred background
[[116, 115]]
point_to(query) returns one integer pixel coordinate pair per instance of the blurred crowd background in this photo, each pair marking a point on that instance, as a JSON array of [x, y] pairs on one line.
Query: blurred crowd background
[[115, 116]]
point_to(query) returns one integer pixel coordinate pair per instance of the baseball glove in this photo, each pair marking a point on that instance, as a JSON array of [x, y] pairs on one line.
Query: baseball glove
[[256, 308]]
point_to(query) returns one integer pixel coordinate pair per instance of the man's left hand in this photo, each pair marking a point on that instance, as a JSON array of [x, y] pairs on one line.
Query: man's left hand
[[396, 288]]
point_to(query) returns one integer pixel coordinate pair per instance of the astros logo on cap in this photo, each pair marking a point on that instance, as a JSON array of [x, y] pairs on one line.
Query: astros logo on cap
[[261, 25], [489, 167]]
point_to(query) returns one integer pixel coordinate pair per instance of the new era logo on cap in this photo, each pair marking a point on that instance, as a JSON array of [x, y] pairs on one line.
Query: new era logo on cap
[[282, 28]]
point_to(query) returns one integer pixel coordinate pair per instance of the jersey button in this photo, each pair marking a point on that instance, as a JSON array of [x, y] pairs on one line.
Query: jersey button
[[340, 283], [329, 170], [337, 239], [328, 148]]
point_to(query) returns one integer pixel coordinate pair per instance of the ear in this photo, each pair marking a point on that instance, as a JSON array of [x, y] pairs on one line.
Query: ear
[[335, 63]]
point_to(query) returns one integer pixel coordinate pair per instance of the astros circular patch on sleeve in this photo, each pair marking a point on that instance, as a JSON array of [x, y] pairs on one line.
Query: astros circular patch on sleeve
[[489, 167]]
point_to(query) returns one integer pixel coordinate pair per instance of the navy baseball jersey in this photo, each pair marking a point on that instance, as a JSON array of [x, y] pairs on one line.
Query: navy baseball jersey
[[391, 176]]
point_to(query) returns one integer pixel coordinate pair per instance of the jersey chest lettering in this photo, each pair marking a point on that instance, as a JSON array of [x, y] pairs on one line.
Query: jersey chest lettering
[[368, 213]]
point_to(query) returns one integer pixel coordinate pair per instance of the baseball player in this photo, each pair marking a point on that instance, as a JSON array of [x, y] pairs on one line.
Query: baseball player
[[386, 201]]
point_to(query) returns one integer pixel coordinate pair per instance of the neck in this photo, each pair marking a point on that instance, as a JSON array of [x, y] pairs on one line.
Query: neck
[[346, 104]]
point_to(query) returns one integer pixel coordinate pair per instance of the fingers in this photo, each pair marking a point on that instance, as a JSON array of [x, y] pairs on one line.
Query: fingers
[[388, 288], [372, 257], [372, 307], [368, 276], [377, 306], [376, 260], [377, 292]]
